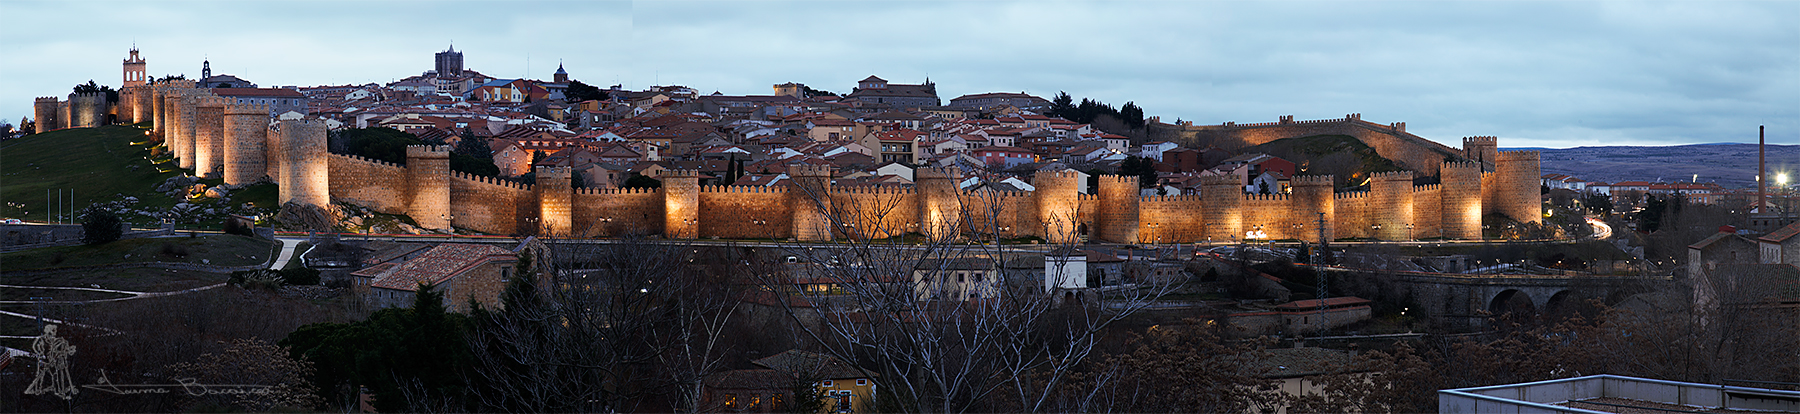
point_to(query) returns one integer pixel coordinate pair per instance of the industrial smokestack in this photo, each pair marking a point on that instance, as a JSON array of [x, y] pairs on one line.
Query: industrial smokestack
[[1762, 179]]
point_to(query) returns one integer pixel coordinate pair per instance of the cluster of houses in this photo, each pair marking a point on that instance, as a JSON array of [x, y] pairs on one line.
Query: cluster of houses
[[1631, 193], [874, 135]]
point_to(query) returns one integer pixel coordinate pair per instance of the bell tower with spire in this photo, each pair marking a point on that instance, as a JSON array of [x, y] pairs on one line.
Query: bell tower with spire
[[205, 69], [135, 73], [561, 75]]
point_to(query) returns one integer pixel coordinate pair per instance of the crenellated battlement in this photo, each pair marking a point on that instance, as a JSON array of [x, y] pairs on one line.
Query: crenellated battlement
[[873, 190], [1461, 165], [809, 171], [430, 151], [490, 180], [742, 189], [1265, 197], [1062, 174], [1087, 197], [1506, 156], [1218, 180], [359, 158], [1312, 181], [1169, 198], [1352, 195], [666, 174], [1483, 139], [618, 191], [924, 173], [47, 99], [1426, 187], [1119, 179], [543, 172], [246, 109], [1392, 176]]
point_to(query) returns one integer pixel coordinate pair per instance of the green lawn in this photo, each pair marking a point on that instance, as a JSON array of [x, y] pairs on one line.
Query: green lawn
[[136, 279], [98, 164], [220, 250]]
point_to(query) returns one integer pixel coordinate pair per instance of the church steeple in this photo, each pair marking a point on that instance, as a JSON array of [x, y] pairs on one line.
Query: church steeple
[[205, 69]]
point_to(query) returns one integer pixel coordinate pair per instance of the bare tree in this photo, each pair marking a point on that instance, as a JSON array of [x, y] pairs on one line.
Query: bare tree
[[935, 315], [605, 327]]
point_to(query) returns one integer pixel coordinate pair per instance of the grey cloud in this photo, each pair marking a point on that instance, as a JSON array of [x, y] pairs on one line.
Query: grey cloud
[[1534, 73]]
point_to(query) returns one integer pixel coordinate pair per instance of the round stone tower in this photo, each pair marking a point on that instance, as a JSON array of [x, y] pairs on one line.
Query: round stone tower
[[1519, 179], [555, 192], [123, 110], [940, 202], [681, 204], [1058, 199], [305, 174], [159, 121], [246, 147], [1223, 207], [810, 195], [209, 136], [1460, 187], [184, 132], [1314, 194], [1391, 205], [45, 111], [1117, 213]]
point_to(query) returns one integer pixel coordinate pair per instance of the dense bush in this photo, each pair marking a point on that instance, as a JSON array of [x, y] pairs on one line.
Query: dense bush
[[300, 276], [100, 226]]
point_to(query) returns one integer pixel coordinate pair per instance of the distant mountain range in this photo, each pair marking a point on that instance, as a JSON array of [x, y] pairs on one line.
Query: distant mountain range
[[1732, 165]]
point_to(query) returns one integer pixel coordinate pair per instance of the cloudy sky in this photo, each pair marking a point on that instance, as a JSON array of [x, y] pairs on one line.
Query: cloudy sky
[[1536, 74]]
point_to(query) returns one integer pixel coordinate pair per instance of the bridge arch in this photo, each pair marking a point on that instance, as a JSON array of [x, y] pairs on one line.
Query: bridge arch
[[1512, 301], [1566, 303]]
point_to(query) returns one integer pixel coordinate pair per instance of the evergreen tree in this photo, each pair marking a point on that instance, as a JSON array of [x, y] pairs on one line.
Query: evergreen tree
[[1062, 106], [1132, 114], [1143, 168], [579, 91], [100, 226]]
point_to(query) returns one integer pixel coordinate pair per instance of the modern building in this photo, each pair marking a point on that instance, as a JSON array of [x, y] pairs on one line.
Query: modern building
[[1614, 394]]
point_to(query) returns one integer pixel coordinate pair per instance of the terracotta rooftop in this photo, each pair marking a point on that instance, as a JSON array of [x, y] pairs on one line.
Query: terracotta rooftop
[[1781, 235], [439, 264]]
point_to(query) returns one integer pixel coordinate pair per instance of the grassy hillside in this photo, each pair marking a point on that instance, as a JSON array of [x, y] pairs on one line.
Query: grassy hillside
[[1342, 156], [99, 164], [220, 249]]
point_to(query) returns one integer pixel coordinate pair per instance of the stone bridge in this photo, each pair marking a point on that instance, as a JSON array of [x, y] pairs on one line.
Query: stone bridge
[[1470, 299]]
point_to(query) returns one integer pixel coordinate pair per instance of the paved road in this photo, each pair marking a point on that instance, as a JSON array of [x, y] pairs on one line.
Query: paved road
[[287, 253]]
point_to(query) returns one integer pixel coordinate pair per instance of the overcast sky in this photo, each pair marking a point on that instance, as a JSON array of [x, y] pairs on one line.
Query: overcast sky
[[1549, 74]]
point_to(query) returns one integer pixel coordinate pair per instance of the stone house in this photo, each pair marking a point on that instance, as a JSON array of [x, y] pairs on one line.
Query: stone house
[[1780, 246], [461, 271], [956, 279], [1724, 247], [845, 387]]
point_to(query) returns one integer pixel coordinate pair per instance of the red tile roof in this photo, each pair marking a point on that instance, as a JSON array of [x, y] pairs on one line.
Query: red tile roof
[[439, 264]]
